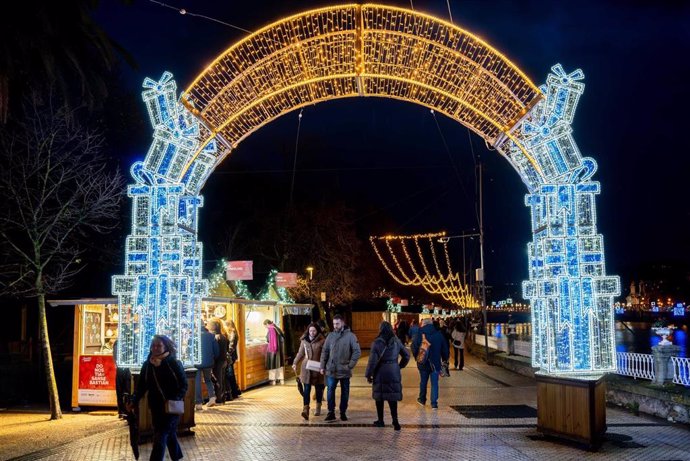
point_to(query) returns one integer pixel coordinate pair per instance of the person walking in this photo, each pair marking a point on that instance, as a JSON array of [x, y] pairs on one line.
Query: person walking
[[414, 329], [458, 337], [338, 357], [231, 387], [163, 377], [274, 352], [209, 352], [402, 331], [311, 344], [220, 363], [383, 372], [431, 366]]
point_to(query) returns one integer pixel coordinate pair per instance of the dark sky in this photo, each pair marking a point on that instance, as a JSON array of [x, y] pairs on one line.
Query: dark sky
[[387, 159]]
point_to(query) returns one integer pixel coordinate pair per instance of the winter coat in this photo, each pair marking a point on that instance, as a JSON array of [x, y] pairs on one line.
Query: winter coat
[[439, 349], [275, 359], [171, 379], [313, 352], [458, 336], [414, 329], [209, 350], [340, 353], [387, 378]]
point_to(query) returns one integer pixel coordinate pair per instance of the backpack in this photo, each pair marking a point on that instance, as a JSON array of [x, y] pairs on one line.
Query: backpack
[[423, 353]]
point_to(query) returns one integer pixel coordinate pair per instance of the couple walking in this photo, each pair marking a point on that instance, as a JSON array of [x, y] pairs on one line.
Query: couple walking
[[338, 354]]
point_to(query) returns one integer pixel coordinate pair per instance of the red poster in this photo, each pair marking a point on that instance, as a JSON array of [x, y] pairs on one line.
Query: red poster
[[286, 279], [239, 270], [97, 380]]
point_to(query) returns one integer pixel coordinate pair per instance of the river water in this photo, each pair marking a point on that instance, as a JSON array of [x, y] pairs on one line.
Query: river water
[[639, 337]]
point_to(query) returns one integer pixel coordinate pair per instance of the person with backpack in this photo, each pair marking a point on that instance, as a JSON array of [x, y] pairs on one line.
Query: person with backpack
[[429, 348]]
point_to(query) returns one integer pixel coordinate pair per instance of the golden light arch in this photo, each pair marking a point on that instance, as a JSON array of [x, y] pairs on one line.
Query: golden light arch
[[365, 50]]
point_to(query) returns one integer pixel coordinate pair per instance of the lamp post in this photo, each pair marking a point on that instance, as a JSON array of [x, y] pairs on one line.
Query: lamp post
[[310, 270]]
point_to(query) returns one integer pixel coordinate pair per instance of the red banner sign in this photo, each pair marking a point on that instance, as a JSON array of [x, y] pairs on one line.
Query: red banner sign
[[286, 279], [97, 380], [239, 270]]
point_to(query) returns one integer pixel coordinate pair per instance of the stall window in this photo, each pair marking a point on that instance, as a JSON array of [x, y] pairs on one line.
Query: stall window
[[99, 329], [255, 332]]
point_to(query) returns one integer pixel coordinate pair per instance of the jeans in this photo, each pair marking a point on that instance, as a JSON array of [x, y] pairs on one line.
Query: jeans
[[318, 390], [331, 382], [165, 435], [209, 384], [424, 375]]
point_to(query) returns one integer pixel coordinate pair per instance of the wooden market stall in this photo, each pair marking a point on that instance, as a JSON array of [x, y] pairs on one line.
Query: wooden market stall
[[93, 367]]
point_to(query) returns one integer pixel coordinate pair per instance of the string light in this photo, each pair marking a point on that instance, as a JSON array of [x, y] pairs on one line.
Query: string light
[[448, 286]]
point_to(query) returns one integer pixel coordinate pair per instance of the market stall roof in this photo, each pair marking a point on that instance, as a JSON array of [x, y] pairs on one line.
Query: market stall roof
[[74, 302]]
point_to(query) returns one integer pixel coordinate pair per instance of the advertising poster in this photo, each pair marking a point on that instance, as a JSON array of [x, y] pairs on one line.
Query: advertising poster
[[97, 380], [239, 270], [286, 279]]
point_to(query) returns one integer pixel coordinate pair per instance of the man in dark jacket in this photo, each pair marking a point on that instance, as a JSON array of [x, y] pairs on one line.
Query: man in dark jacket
[[209, 353], [430, 368], [338, 357]]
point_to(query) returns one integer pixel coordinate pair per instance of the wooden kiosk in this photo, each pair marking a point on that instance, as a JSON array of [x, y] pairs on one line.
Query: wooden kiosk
[[93, 367]]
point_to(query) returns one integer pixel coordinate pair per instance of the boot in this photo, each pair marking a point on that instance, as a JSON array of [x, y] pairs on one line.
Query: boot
[[330, 416], [317, 410], [305, 412], [396, 425]]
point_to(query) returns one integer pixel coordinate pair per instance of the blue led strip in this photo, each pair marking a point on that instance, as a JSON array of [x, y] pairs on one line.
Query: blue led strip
[[161, 289]]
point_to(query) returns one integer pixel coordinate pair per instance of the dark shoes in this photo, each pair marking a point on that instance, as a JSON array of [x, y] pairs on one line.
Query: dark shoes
[[421, 402], [343, 417], [396, 425], [378, 423], [330, 417], [434, 407]]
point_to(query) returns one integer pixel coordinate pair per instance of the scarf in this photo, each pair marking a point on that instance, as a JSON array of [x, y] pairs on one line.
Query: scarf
[[156, 360], [272, 339]]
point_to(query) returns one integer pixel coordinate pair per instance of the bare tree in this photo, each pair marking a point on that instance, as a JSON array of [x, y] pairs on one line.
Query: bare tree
[[58, 192]]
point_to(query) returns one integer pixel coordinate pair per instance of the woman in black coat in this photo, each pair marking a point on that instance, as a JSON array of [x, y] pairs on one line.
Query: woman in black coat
[[383, 371], [163, 377]]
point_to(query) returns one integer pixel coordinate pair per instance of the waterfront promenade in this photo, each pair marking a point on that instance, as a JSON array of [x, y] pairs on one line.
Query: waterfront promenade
[[265, 425]]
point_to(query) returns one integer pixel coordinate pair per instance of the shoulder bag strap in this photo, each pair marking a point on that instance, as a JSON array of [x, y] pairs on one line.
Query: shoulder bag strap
[[378, 362], [155, 378]]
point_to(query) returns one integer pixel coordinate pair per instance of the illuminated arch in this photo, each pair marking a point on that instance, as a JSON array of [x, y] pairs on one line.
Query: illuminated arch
[[370, 51]]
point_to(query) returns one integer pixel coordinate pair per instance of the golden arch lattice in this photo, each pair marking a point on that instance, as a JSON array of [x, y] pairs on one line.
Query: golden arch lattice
[[359, 50]]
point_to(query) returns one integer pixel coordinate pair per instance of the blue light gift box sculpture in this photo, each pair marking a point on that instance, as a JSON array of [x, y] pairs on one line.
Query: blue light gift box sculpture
[[161, 290]]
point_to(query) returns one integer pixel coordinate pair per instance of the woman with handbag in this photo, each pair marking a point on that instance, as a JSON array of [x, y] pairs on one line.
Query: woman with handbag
[[309, 354], [383, 371], [163, 377]]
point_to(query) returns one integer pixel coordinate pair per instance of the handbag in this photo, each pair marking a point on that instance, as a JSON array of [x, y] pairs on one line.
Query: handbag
[[312, 365], [171, 407]]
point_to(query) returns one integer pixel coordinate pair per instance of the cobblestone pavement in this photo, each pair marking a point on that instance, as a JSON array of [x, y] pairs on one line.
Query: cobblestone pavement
[[265, 424]]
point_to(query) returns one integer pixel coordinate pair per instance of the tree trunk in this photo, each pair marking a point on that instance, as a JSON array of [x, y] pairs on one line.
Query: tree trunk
[[55, 410]]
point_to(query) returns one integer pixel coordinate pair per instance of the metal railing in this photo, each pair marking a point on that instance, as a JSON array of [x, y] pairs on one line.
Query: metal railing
[[635, 365], [681, 370]]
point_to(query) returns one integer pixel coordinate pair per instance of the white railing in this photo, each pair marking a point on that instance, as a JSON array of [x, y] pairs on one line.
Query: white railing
[[635, 365], [681, 370], [523, 348]]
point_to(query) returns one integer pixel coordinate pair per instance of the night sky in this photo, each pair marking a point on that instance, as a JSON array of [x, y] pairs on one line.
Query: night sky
[[386, 159]]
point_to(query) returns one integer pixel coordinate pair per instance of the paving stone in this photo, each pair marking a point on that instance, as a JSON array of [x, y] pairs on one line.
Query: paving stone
[[265, 424]]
